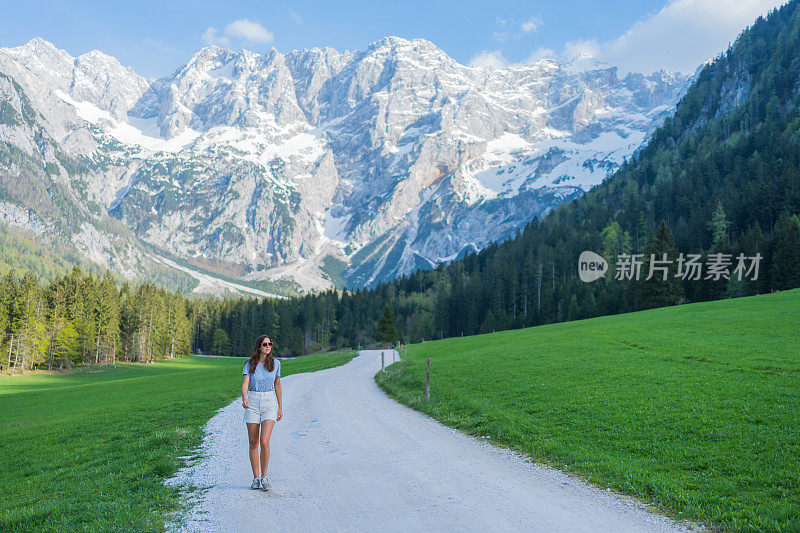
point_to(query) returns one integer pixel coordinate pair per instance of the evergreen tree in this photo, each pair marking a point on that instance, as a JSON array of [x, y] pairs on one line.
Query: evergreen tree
[[489, 324], [786, 253], [386, 326], [221, 344], [719, 230], [660, 266], [66, 348]]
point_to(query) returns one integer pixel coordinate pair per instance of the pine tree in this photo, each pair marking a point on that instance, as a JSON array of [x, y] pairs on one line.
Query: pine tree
[[108, 317], [221, 344], [785, 271], [387, 330], [719, 230], [489, 324], [66, 347], [657, 291]]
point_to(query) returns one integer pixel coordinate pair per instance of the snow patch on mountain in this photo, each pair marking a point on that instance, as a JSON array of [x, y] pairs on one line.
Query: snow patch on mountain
[[140, 132]]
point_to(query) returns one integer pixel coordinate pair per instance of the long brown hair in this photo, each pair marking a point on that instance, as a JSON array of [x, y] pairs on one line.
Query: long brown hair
[[256, 355]]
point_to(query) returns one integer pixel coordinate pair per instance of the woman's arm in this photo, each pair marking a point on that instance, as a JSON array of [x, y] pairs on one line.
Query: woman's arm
[[279, 393], [245, 384]]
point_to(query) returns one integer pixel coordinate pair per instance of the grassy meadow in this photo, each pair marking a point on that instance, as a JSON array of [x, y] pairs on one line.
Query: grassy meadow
[[90, 450], [694, 408]]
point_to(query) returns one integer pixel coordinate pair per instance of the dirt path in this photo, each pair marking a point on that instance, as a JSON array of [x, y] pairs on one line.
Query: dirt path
[[347, 458]]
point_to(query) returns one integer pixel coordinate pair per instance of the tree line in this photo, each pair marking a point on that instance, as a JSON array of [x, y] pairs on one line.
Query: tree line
[[80, 318]]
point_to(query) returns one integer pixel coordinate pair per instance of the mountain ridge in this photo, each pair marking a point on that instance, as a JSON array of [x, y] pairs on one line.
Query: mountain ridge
[[289, 163]]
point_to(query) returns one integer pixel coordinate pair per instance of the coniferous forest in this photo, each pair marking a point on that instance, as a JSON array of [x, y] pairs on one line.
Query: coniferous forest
[[722, 176], [84, 318]]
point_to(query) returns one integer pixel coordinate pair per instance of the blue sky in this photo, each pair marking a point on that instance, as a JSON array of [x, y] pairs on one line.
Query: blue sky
[[157, 37]]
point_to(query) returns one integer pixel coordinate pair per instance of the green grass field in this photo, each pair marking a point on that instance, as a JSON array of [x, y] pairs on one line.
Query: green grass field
[[694, 408], [90, 450]]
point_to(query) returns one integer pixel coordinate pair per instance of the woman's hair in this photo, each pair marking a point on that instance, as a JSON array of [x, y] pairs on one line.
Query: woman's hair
[[256, 355]]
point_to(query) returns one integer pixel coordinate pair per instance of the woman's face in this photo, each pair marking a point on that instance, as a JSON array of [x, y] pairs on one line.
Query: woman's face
[[266, 346]]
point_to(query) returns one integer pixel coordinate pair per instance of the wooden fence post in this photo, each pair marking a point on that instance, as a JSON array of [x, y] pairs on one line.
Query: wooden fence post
[[381, 361], [428, 380]]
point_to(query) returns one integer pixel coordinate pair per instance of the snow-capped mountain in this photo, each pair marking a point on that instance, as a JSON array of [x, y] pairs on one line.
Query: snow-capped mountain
[[319, 164]]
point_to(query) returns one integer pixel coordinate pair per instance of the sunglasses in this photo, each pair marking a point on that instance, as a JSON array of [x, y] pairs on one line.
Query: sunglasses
[[266, 344]]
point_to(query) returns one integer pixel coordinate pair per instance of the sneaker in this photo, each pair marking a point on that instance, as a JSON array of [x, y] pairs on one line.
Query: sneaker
[[265, 484], [256, 484]]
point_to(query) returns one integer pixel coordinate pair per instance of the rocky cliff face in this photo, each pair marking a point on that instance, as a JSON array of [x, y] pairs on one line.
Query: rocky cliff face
[[317, 164]]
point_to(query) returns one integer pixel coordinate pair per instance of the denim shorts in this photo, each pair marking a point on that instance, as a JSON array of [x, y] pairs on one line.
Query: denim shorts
[[263, 406]]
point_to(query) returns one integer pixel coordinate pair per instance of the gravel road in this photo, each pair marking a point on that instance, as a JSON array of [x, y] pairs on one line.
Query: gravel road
[[345, 457]]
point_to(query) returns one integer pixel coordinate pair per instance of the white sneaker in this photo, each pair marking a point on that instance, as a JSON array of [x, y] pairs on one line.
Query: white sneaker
[[265, 484], [256, 484]]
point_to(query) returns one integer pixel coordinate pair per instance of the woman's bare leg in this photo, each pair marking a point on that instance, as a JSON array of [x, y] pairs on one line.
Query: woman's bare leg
[[266, 433], [252, 437]]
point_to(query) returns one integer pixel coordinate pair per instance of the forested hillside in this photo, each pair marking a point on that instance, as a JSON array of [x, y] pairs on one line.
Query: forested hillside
[[723, 174]]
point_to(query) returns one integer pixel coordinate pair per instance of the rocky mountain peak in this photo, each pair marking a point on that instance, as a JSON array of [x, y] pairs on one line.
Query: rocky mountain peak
[[377, 161]]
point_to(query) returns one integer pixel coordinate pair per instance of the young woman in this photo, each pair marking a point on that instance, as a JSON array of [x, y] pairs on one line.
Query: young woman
[[263, 405]]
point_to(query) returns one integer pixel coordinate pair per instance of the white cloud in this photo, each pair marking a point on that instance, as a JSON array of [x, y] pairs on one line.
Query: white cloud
[[584, 48], [212, 37], [500, 36], [242, 29], [532, 25], [295, 17], [249, 31], [493, 59], [680, 36], [541, 53]]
